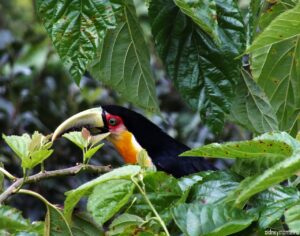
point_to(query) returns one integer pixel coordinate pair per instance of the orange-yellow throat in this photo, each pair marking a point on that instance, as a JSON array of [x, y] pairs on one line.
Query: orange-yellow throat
[[126, 145]]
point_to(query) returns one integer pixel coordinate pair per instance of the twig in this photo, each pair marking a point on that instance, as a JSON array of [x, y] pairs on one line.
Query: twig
[[52, 174], [7, 174]]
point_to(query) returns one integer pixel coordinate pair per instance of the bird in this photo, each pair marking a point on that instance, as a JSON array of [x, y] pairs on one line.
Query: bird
[[131, 132]]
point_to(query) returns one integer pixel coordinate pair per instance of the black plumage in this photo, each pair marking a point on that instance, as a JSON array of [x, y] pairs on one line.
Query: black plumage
[[163, 149]]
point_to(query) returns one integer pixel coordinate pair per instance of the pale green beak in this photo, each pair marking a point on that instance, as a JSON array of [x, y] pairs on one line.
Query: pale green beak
[[90, 119]]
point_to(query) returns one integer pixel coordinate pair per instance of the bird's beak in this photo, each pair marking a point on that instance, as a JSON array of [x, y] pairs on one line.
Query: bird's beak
[[92, 119]]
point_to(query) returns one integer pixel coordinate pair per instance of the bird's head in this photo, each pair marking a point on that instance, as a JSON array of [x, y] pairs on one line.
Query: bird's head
[[127, 129]]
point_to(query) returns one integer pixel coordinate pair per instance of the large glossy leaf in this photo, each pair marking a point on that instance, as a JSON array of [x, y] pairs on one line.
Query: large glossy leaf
[[124, 62], [75, 195], [211, 219], [188, 181], [76, 28], [203, 73], [108, 198], [275, 58], [251, 107], [214, 187], [272, 203]]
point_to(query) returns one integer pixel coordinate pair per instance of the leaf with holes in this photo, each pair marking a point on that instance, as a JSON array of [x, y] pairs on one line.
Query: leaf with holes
[[274, 175], [76, 28], [273, 11], [275, 59], [124, 62]]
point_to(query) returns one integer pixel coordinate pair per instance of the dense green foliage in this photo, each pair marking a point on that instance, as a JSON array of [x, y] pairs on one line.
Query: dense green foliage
[[229, 61]]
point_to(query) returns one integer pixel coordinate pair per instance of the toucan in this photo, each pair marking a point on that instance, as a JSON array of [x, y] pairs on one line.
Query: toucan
[[130, 132]]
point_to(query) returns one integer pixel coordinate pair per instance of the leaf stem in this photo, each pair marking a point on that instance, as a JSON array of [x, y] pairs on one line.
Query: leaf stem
[[143, 192], [34, 194], [7, 174]]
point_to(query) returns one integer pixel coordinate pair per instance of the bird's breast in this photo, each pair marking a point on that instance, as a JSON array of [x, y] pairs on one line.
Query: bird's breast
[[126, 145]]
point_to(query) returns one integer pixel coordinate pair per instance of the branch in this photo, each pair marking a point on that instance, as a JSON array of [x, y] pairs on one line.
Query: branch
[[52, 174]]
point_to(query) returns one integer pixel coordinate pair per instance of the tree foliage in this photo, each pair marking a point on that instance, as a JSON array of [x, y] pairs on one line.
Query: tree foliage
[[228, 62]]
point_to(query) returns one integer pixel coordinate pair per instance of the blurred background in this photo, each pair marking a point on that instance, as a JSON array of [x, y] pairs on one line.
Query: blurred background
[[36, 93]]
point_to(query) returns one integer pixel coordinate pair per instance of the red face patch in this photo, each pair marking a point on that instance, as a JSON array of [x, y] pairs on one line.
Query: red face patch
[[115, 123]]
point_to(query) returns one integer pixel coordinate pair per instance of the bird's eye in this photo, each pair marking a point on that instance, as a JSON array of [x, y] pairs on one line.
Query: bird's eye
[[113, 121]]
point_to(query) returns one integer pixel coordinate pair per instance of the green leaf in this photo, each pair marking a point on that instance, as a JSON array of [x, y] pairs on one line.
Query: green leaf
[[273, 202], [252, 18], [31, 150], [123, 222], [279, 172], [13, 223], [144, 160], [292, 218], [273, 11], [278, 45], [211, 219], [251, 107], [75, 195], [108, 198], [214, 187], [76, 28], [259, 165], [86, 143], [163, 192], [203, 73], [36, 158], [203, 13], [84, 226], [91, 152], [283, 27], [243, 149], [76, 138], [124, 62], [55, 222], [19, 144], [12, 220], [188, 181]]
